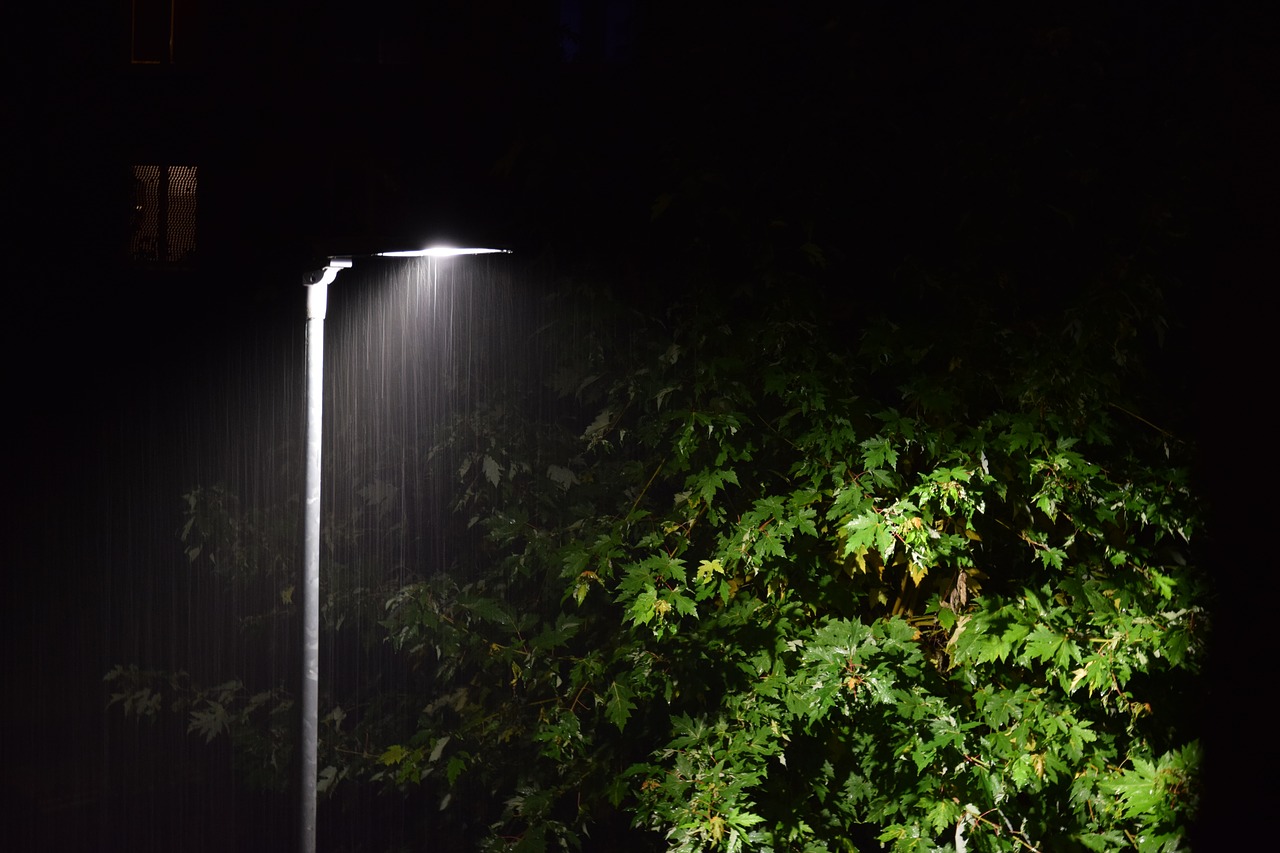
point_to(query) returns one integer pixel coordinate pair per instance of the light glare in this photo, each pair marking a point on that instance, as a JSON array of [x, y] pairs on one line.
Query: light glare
[[440, 252]]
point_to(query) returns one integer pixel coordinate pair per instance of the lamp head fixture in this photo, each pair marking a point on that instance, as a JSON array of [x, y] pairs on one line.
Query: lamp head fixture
[[440, 252], [337, 263]]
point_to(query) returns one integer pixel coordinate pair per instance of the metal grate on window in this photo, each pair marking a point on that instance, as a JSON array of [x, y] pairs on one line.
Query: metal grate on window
[[164, 214]]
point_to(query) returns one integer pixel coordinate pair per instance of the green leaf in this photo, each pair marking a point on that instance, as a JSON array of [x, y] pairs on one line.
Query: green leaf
[[561, 476], [325, 779], [438, 749], [878, 452], [619, 705], [455, 768], [707, 570], [212, 721], [1136, 789], [1044, 645], [492, 471], [393, 755]]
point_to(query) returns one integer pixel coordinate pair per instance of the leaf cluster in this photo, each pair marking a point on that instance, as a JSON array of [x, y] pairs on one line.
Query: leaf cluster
[[777, 591]]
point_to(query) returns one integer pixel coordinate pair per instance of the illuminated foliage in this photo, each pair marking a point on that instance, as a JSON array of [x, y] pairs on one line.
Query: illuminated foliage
[[770, 584]]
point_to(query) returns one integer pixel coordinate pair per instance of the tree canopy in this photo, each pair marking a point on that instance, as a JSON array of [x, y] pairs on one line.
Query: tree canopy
[[772, 585]]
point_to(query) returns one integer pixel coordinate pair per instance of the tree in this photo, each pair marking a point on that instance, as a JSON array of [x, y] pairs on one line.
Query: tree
[[772, 585]]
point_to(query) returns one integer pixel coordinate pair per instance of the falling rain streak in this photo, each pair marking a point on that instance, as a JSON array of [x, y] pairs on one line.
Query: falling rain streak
[[198, 547]]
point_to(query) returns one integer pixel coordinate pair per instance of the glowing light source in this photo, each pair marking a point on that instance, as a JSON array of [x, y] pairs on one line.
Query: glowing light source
[[440, 252]]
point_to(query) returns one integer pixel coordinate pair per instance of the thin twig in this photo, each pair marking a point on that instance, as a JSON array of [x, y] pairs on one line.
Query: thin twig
[[1163, 432]]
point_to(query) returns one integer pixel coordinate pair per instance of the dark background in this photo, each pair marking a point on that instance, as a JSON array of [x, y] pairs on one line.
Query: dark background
[[557, 129]]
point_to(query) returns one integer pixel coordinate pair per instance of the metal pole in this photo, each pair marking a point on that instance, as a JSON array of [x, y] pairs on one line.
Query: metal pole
[[317, 296], [317, 284]]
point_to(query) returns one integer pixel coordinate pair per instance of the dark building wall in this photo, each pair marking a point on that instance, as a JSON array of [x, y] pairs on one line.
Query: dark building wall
[[315, 125]]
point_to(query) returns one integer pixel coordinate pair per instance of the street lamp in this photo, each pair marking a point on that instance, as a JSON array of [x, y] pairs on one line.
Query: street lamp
[[317, 284]]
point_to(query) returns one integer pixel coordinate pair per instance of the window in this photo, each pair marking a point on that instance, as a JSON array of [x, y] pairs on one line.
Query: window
[[164, 215], [152, 29]]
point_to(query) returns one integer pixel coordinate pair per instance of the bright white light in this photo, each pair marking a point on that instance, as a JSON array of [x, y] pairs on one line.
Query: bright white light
[[440, 252]]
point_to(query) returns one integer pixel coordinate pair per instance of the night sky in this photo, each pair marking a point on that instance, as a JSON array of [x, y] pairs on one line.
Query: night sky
[[558, 130]]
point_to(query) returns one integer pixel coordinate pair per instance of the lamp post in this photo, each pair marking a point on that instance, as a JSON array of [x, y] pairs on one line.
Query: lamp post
[[317, 284]]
